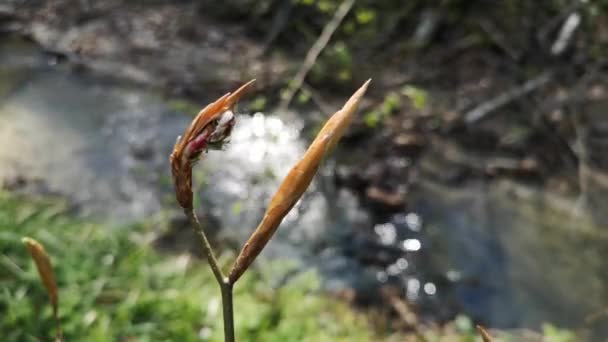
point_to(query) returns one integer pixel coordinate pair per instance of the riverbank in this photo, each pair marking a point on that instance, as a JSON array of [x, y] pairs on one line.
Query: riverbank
[[465, 123]]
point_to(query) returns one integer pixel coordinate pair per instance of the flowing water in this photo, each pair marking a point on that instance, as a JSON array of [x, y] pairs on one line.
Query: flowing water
[[507, 254]]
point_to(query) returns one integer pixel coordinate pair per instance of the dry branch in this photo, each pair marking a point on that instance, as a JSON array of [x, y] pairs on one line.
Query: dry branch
[[314, 52], [505, 98]]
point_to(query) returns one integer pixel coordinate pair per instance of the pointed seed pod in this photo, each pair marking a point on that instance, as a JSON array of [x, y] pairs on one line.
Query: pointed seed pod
[[45, 269], [210, 128], [296, 182]]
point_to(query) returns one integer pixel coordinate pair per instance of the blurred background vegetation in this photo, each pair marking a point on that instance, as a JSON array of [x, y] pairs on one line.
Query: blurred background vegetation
[[471, 188]]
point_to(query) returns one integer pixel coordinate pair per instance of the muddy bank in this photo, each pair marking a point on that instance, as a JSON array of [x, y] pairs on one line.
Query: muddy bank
[[166, 45]]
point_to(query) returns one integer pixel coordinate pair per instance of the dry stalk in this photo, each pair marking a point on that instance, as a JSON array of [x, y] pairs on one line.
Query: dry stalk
[[210, 127], [314, 52], [295, 183], [405, 312], [45, 271]]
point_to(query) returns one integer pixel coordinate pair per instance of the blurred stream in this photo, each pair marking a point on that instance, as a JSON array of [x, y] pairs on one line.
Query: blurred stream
[[504, 253]]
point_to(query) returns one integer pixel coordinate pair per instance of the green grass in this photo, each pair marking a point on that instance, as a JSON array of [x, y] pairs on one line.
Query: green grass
[[115, 287]]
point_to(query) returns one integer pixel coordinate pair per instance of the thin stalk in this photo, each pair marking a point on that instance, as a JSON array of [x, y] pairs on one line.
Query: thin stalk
[[223, 281], [58, 331], [228, 311], [200, 232]]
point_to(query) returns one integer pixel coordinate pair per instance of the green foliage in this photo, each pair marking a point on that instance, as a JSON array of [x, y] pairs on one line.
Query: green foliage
[[419, 97], [391, 103], [335, 64], [115, 287], [184, 106], [303, 96], [258, 104], [365, 15], [554, 334]]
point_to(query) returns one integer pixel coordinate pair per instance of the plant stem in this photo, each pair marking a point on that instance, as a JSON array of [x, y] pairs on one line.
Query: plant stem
[[223, 282], [200, 232], [228, 310], [58, 331]]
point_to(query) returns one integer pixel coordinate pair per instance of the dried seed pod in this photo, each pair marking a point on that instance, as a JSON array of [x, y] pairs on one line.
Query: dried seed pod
[[209, 128], [295, 183], [45, 269]]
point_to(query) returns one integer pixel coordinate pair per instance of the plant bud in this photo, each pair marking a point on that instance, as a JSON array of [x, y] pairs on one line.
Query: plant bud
[[45, 269], [209, 129]]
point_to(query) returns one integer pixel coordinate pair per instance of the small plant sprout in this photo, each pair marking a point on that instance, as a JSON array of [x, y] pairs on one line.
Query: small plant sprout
[[47, 276], [209, 129]]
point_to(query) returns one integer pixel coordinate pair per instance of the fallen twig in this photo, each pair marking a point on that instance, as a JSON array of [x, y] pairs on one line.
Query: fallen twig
[[279, 22], [565, 34], [314, 52], [503, 99], [547, 29], [317, 98], [499, 39], [405, 312]]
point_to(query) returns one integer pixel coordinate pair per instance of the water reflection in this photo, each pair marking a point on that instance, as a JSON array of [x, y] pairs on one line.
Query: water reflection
[[430, 289], [514, 256], [412, 288], [411, 245], [99, 146], [386, 232]]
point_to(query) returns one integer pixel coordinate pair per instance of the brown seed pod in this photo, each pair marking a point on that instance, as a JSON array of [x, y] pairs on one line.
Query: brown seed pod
[[295, 183], [45, 269], [202, 132]]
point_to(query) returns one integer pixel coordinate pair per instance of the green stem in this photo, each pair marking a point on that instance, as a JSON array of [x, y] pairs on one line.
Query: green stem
[[200, 232], [58, 332], [228, 311], [223, 282]]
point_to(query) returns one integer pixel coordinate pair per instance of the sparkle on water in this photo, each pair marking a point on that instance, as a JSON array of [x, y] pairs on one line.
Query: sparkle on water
[[411, 245]]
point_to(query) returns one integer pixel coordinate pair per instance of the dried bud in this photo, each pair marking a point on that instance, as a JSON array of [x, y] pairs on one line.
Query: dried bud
[[295, 183], [209, 129], [45, 270]]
